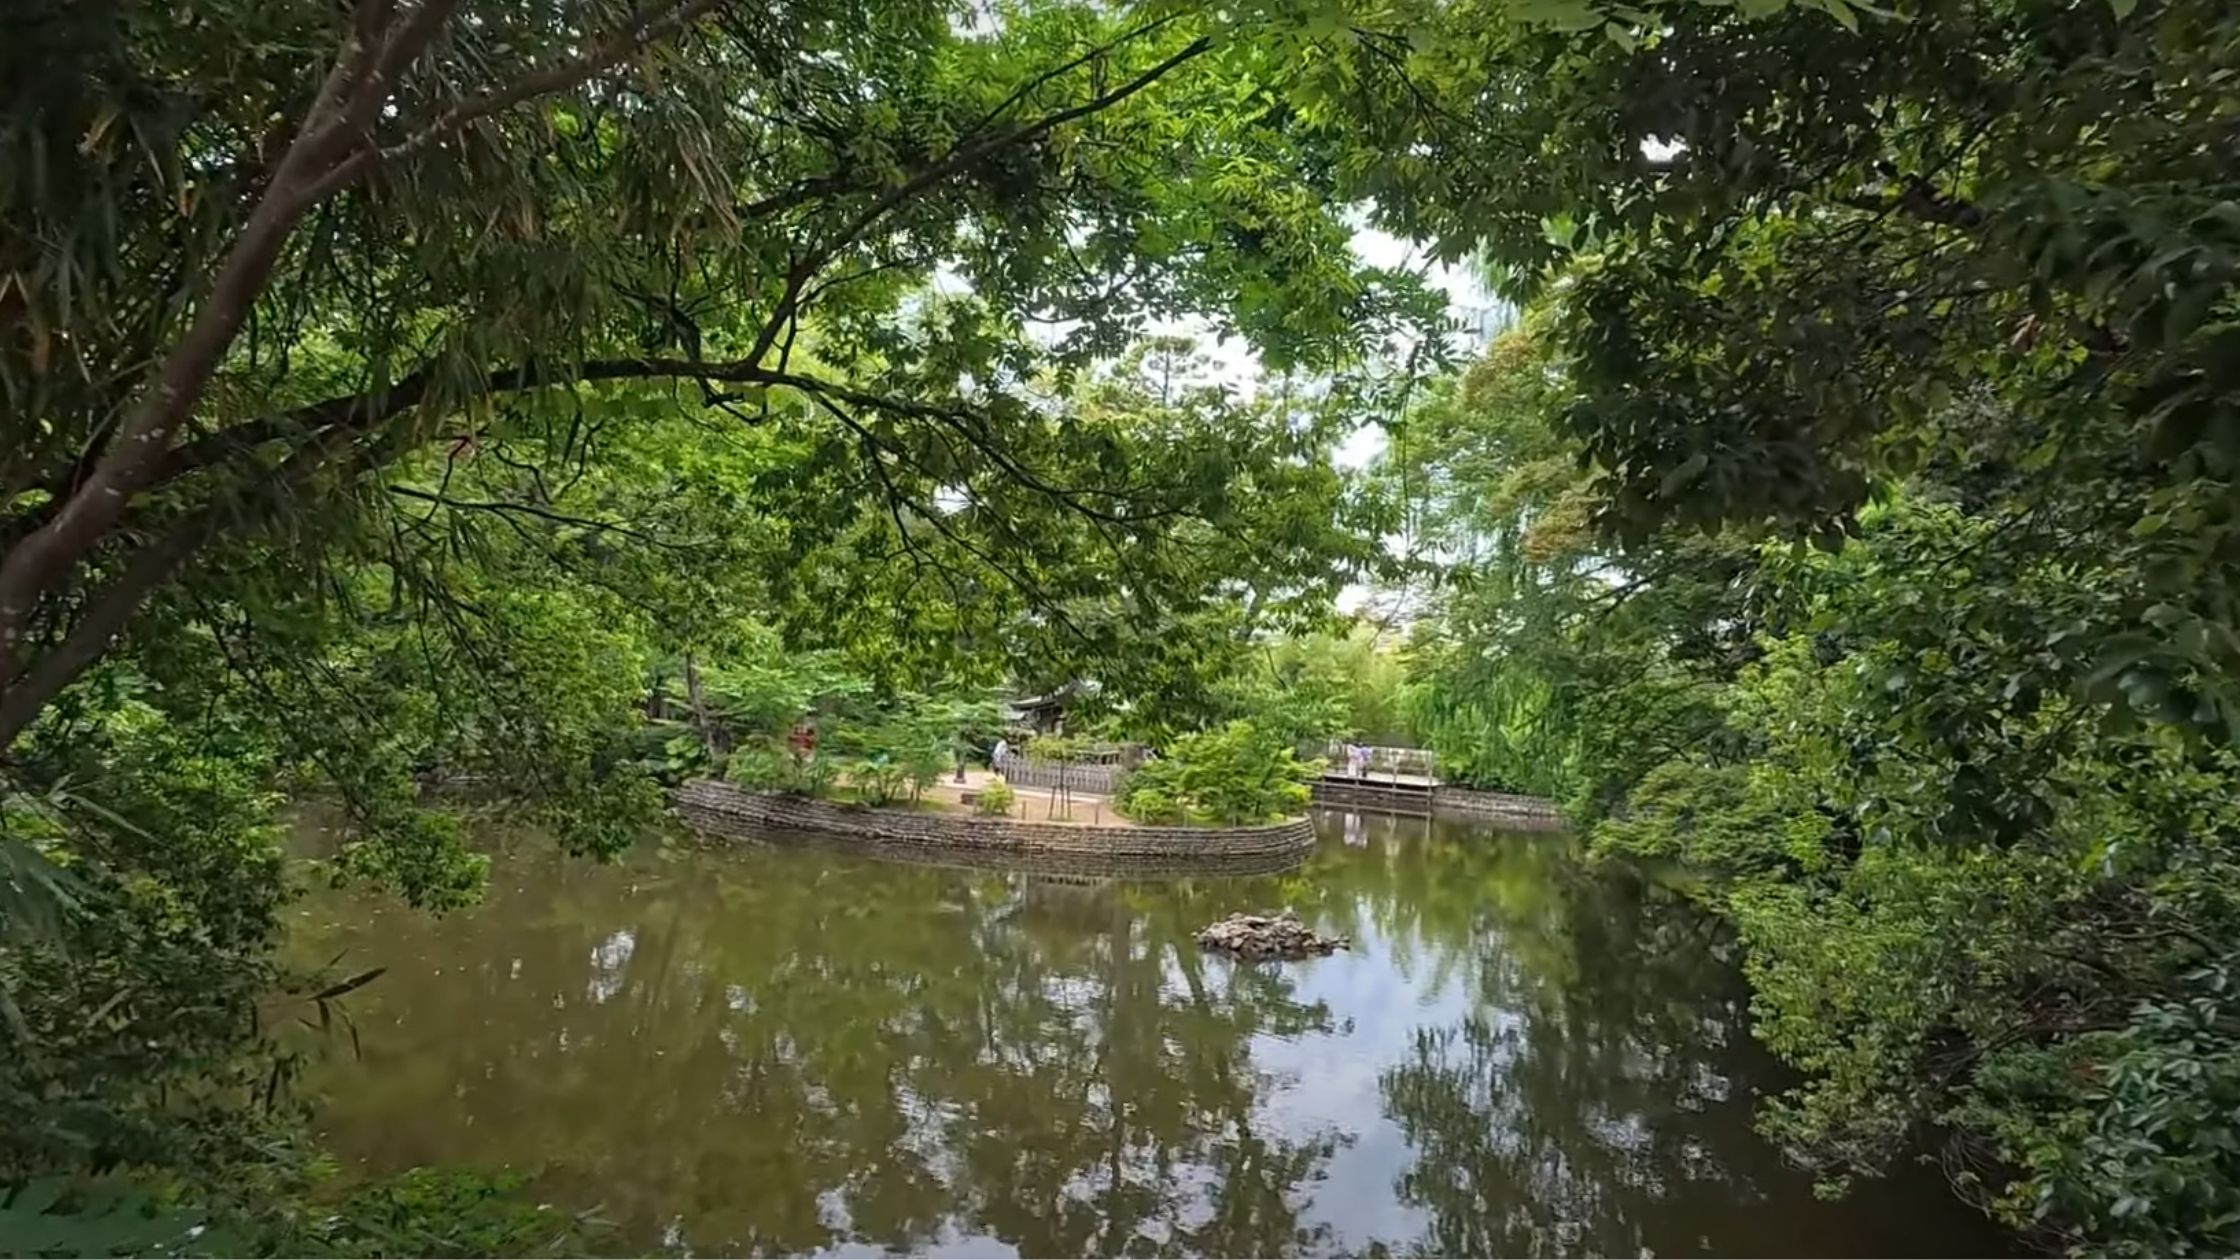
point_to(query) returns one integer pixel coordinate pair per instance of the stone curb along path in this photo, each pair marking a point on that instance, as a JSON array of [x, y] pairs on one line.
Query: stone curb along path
[[732, 811]]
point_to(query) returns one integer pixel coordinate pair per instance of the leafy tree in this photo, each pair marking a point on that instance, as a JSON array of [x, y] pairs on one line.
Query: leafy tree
[[1948, 291], [250, 280], [392, 391], [1985, 240], [1310, 688], [1549, 661], [1232, 775], [1971, 893]]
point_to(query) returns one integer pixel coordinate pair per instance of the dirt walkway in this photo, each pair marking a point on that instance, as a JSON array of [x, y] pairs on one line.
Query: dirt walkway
[[1028, 804]]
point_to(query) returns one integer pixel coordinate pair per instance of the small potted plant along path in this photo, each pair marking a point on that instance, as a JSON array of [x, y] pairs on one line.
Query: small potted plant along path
[[1230, 799]]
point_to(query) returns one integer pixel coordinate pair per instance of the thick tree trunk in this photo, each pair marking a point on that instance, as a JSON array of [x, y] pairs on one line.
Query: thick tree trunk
[[27, 695], [709, 735]]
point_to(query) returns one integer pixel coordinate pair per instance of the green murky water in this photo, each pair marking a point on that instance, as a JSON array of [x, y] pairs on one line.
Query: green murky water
[[784, 1050]]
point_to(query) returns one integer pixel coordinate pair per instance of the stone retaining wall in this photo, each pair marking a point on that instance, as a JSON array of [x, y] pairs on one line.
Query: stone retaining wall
[[727, 810], [1531, 811]]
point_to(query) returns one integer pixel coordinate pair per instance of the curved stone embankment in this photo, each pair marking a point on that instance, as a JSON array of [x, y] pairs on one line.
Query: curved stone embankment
[[1066, 848], [1527, 812]]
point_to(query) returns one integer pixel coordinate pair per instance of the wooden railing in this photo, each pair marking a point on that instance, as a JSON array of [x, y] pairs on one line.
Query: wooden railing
[[1383, 761], [1093, 778]]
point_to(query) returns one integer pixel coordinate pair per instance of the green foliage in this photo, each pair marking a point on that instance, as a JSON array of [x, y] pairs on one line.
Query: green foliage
[[2127, 1133], [995, 799], [1307, 689], [1977, 847], [770, 765], [762, 688], [1968, 885], [878, 779], [439, 1212], [1950, 297], [1231, 775], [128, 1007], [1542, 665], [766, 765], [1964, 899], [1057, 749], [53, 1216]]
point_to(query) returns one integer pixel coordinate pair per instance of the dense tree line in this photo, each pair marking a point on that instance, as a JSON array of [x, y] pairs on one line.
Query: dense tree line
[[1851, 519]]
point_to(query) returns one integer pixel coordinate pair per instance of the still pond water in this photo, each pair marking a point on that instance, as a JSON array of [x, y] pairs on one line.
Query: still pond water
[[788, 1050]]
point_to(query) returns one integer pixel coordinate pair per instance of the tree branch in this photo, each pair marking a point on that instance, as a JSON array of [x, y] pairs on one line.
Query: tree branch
[[106, 616], [530, 509], [971, 154], [650, 25]]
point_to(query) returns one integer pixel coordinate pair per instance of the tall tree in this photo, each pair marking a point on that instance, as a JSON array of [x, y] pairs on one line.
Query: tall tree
[[257, 251], [1895, 352]]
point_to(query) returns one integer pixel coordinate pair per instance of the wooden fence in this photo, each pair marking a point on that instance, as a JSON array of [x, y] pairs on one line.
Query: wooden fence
[[1092, 778]]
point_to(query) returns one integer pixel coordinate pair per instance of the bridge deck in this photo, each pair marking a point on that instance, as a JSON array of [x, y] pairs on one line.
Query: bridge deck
[[1379, 778], [1410, 794]]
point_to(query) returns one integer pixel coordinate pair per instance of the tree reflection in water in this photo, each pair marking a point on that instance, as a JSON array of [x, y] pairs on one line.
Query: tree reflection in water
[[783, 1051]]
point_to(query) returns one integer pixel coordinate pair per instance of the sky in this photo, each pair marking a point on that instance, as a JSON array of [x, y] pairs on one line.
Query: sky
[[1467, 298]]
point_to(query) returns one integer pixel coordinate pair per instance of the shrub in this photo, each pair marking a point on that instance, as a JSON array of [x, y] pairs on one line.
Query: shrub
[[924, 764], [1231, 775], [994, 800], [763, 766], [1149, 802], [768, 765], [878, 779]]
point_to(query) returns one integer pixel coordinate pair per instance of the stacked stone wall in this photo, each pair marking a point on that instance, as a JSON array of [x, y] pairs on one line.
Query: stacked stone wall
[[732, 811], [1498, 806]]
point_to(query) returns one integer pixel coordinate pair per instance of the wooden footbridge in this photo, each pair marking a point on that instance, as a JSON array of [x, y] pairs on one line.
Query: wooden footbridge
[[1391, 780]]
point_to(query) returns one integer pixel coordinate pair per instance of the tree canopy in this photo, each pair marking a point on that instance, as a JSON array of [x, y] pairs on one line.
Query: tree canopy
[[1849, 520], [395, 392]]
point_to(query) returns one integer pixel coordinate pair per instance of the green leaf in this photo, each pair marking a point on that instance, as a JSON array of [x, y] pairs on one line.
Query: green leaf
[[1562, 15]]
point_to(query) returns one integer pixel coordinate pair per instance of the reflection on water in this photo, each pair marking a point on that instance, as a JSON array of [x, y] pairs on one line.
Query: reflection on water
[[786, 1051]]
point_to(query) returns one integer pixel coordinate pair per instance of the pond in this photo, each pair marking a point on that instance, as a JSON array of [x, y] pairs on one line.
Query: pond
[[781, 1050]]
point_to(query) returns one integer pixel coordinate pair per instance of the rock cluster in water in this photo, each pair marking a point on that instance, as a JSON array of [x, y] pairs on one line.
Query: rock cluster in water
[[1255, 936]]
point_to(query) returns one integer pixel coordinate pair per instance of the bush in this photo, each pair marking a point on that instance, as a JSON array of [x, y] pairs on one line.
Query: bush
[[763, 766], [768, 765], [1149, 802], [924, 764], [1230, 775], [994, 800], [878, 779]]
